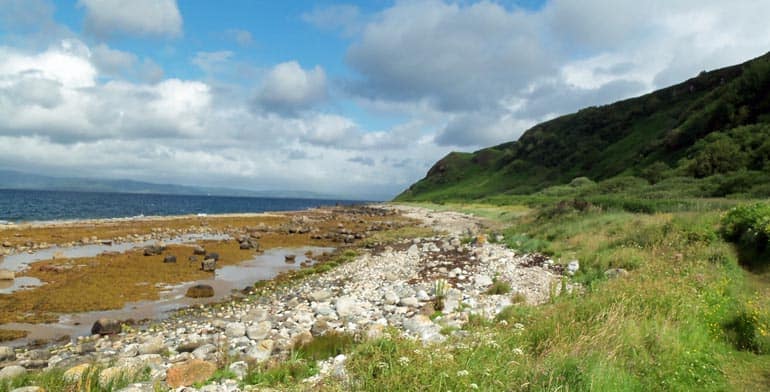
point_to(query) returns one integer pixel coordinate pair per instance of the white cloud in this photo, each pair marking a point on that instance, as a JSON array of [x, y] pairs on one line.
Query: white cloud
[[136, 17], [288, 87], [344, 17], [244, 38]]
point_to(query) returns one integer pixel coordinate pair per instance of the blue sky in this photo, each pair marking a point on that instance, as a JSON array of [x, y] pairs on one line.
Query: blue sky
[[356, 99]]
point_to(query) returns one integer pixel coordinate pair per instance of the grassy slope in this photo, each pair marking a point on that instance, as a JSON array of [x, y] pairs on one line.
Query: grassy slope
[[663, 128]]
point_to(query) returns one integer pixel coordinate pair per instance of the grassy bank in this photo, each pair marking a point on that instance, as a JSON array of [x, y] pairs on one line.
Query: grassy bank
[[687, 316]]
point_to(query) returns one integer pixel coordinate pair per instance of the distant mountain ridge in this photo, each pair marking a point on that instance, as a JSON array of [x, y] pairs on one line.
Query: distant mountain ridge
[[709, 134], [11, 179]]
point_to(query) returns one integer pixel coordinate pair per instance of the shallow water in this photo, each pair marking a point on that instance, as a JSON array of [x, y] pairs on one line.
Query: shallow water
[[19, 261], [225, 280]]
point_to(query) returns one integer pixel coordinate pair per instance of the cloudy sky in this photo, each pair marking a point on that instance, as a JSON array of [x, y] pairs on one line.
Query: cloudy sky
[[353, 99]]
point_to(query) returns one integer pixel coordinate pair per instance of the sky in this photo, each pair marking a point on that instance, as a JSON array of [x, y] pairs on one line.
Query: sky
[[353, 99]]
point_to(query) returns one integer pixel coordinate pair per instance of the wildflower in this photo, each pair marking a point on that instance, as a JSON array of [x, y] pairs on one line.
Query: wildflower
[[473, 386], [462, 373], [518, 351], [403, 361], [382, 365]]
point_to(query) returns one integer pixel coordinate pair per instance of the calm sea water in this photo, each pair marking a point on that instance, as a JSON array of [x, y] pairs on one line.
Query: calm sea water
[[29, 205]]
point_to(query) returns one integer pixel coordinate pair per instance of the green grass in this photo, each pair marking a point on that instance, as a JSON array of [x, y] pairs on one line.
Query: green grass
[[54, 380], [683, 319]]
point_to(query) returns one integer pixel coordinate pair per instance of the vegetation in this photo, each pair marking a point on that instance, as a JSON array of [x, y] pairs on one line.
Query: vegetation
[[686, 317], [710, 134], [90, 381]]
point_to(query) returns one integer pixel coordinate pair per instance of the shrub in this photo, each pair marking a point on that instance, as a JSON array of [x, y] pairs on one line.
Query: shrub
[[498, 287], [749, 227]]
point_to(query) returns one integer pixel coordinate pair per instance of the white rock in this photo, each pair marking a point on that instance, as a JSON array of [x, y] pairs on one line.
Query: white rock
[[573, 267], [259, 331], [482, 281], [262, 351], [423, 296], [411, 302], [320, 295], [240, 369], [12, 371], [391, 298], [7, 353], [235, 330], [346, 306]]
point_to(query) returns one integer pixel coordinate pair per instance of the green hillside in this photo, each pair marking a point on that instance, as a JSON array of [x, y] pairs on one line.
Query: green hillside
[[706, 137]]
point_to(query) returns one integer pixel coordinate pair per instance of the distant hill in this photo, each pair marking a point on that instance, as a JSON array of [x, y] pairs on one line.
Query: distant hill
[[10, 179], [711, 132]]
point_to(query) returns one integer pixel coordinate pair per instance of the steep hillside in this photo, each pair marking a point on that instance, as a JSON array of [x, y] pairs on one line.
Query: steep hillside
[[710, 130]]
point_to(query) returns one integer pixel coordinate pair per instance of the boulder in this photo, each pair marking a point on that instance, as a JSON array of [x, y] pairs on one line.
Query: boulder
[[235, 330], [301, 339], [212, 256], [200, 291], [615, 273], [320, 295], [12, 371], [169, 259], [199, 250], [290, 259], [153, 250], [190, 372], [573, 267], [259, 330], [262, 351], [240, 369], [7, 353], [75, 373], [7, 275], [106, 327], [153, 345], [346, 306], [209, 265]]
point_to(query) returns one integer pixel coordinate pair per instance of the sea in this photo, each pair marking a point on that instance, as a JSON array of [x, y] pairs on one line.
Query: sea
[[18, 206]]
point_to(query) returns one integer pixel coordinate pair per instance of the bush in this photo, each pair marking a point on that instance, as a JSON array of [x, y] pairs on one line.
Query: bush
[[749, 227]]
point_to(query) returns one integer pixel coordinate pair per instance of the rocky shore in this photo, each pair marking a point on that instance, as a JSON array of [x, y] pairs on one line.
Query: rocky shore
[[424, 288]]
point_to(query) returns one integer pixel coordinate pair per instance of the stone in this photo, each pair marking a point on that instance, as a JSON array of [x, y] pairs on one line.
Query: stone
[[139, 387], [411, 302], [613, 273], [301, 339], [7, 353], [106, 327], [209, 265], [320, 295], [290, 259], [153, 250], [239, 368], [572, 267], [200, 291], [169, 259], [12, 371], [31, 388], [262, 351], [212, 256], [346, 306], [422, 296], [190, 372], [39, 354], [391, 298], [7, 275], [235, 330], [259, 330], [75, 373], [482, 281], [199, 250], [153, 345], [204, 351]]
